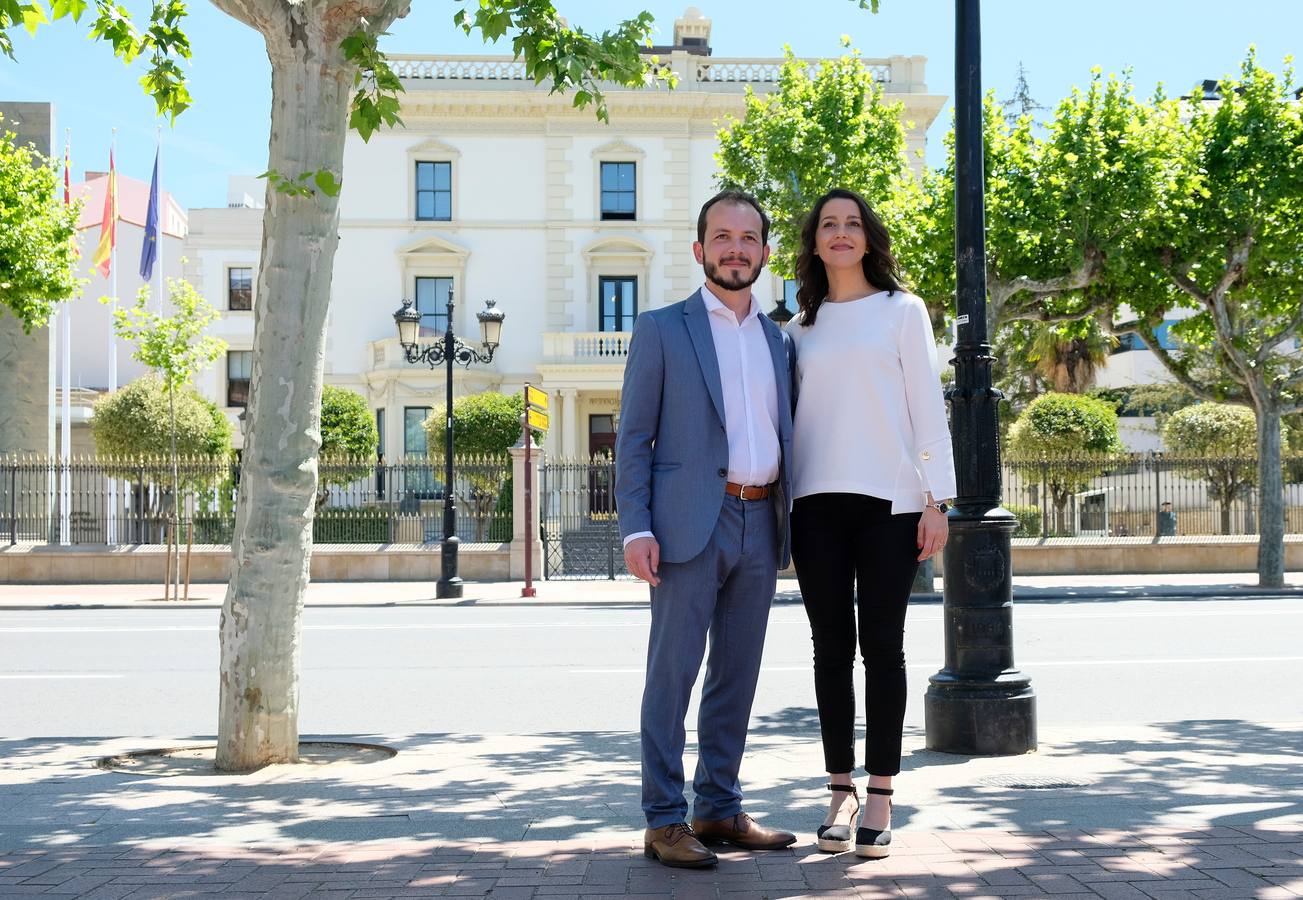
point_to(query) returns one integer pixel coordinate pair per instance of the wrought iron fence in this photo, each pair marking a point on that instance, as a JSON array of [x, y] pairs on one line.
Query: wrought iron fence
[[1143, 494], [107, 501], [578, 527], [1138, 494]]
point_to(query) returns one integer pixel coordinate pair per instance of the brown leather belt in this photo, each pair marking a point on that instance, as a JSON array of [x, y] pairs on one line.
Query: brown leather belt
[[748, 491]]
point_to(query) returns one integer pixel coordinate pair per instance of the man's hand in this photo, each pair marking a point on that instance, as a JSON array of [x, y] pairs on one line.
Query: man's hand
[[642, 557]]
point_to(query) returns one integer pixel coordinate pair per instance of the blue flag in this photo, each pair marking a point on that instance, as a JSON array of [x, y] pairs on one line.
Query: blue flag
[[149, 249]]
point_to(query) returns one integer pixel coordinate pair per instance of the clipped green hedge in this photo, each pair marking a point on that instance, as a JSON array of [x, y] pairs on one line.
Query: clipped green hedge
[[1029, 519], [328, 527], [350, 527]]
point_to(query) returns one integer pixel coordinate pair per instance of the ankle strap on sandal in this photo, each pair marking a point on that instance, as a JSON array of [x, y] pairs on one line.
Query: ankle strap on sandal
[[883, 792], [848, 788]]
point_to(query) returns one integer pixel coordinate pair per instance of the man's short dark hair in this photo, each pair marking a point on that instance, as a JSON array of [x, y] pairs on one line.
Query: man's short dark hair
[[740, 198]]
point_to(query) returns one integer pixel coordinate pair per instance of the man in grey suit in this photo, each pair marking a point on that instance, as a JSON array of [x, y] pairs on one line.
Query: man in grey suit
[[702, 481]]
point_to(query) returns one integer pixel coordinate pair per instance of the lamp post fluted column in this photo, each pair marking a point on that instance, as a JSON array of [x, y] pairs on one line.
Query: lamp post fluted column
[[979, 703], [450, 583]]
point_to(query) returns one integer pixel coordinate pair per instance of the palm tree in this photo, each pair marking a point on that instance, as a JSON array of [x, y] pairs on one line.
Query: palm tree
[[1069, 357]]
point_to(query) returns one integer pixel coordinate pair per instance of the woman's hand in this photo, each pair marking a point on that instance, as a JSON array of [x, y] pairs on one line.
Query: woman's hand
[[933, 530]]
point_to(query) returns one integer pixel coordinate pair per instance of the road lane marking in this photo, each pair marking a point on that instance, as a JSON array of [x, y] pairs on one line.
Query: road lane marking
[[1022, 665], [66, 675]]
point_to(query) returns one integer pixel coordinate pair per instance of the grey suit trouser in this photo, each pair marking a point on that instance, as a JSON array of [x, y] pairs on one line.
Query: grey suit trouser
[[724, 592]]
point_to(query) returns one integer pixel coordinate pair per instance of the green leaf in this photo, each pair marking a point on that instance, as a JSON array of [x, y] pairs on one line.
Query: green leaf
[[327, 183]]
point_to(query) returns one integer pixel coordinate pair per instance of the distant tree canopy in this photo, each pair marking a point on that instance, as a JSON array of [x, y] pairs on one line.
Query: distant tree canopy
[[38, 253]]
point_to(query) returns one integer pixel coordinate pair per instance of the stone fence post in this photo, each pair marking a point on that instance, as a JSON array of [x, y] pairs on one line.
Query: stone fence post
[[518, 512]]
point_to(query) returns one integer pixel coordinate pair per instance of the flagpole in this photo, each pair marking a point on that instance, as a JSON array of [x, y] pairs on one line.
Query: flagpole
[[158, 238], [113, 285], [65, 355], [113, 337]]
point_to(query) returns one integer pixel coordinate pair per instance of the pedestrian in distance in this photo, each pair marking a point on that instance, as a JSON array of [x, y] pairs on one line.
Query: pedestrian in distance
[[873, 472], [1166, 519], [702, 481]]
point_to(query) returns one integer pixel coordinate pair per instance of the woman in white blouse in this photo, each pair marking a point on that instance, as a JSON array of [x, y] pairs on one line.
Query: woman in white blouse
[[873, 470]]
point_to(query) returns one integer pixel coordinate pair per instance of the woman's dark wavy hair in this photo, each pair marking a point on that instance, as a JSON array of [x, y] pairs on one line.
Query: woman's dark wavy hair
[[880, 266]]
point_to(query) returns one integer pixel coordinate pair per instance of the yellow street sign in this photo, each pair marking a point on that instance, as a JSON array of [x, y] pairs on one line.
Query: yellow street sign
[[535, 398], [537, 419]]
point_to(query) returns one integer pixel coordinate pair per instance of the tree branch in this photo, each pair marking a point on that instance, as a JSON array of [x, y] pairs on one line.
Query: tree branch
[[1040, 315], [1175, 369], [1215, 301], [1002, 291], [1285, 334]]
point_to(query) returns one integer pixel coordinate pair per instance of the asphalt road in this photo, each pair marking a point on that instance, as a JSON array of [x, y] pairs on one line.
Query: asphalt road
[[502, 670]]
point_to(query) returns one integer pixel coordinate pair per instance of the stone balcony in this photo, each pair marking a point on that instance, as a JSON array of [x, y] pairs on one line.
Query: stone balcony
[[598, 348]]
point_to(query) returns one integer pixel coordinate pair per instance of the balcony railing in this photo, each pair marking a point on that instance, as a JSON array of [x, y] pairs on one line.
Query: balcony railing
[[900, 74], [596, 347]]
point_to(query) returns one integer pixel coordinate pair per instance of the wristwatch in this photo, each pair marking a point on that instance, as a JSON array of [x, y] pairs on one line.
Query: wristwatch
[[941, 506]]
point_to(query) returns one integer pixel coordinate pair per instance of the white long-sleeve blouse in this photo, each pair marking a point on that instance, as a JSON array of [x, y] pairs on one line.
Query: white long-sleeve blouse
[[870, 415]]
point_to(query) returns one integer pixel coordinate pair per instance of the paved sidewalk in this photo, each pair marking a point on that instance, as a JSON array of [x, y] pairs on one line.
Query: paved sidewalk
[[1208, 809], [620, 592]]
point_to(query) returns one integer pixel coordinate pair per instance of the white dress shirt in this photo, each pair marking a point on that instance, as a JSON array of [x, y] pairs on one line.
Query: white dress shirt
[[870, 415], [746, 374]]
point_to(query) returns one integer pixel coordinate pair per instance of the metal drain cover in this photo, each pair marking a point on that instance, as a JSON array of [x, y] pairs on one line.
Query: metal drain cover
[[1032, 782]]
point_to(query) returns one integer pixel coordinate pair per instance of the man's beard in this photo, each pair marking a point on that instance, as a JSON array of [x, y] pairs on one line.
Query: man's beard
[[730, 279]]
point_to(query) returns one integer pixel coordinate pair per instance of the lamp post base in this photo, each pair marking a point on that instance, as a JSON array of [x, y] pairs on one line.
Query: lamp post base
[[448, 589], [986, 718]]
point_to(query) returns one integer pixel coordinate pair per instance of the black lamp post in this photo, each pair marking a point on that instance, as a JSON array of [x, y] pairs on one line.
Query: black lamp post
[[978, 703], [447, 351]]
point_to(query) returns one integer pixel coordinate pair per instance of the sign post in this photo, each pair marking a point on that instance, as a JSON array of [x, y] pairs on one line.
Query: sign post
[[535, 417]]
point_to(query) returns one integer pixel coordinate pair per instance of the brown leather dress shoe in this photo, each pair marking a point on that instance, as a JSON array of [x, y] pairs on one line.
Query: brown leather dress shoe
[[675, 845], [742, 831]]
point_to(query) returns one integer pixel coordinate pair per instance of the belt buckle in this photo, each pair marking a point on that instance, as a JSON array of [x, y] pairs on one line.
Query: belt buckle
[[742, 492]]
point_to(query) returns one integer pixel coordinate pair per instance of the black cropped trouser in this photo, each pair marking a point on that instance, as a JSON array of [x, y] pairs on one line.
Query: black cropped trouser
[[856, 563]]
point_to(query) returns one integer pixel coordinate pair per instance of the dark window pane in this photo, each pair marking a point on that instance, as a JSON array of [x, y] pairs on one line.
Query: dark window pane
[[432, 304], [424, 176], [443, 176], [237, 392], [414, 438], [626, 176], [610, 177]]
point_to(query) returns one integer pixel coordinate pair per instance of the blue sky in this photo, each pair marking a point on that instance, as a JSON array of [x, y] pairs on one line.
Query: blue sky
[[1177, 42]]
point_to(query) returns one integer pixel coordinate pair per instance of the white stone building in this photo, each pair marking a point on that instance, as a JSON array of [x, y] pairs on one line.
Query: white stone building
[[503, 192]]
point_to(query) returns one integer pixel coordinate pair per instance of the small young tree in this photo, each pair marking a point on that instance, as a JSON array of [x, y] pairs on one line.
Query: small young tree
[[176, 348], [1064, 438], [348, 439], [1219, 441], [484, 427]]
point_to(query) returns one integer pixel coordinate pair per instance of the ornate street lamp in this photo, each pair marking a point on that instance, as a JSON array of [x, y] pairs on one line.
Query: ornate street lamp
[[448, 351], [979, 703], [780, 314]]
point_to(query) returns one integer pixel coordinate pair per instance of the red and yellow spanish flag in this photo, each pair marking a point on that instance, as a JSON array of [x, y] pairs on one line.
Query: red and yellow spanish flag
[[108, 224]]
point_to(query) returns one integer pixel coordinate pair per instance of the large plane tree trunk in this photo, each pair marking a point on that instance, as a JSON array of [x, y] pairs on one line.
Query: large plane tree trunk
[[312, 83], [1271, 498]]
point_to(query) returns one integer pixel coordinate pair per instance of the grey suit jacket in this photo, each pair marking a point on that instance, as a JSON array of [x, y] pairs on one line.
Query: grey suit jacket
[[671, 453]]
